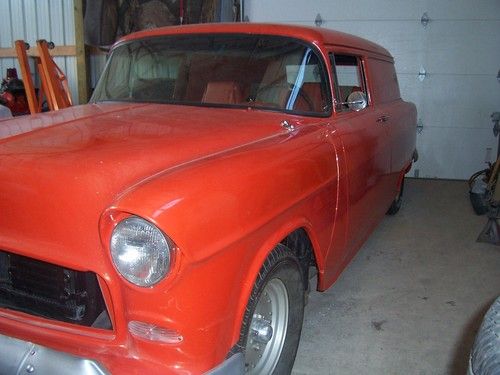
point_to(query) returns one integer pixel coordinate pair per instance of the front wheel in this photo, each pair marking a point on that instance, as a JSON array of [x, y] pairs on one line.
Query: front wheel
[[396, 203], [272, 322]]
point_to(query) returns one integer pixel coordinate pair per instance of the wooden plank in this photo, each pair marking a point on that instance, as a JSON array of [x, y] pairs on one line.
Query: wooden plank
[[81, 58], [26, 75], [53, 80], [33, 51]]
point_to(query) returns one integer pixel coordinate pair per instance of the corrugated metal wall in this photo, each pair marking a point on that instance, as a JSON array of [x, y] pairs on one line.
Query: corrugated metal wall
[[459, 49], [31, 20]]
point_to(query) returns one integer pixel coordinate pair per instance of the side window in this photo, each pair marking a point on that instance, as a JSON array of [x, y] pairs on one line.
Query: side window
[[384, 80], [349, 77]]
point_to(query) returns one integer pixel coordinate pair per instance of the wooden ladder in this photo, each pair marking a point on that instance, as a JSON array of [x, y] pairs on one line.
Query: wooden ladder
[[54, 84]]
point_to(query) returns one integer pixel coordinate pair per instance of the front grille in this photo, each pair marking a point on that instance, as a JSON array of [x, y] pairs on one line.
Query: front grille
[[50, 291]]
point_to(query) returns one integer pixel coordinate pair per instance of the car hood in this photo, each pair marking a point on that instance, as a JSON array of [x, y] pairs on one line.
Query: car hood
[[59, 171]]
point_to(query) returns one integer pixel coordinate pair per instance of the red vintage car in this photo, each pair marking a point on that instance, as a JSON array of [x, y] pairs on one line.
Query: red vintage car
[[172, 224]]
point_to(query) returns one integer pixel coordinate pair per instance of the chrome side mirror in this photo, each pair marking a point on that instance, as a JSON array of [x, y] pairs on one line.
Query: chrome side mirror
[[357, 101]]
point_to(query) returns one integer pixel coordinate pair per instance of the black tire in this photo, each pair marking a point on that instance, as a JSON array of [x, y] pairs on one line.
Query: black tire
[[282, 269], [479, 193], [396, 203], [480, 203], [485, 354]]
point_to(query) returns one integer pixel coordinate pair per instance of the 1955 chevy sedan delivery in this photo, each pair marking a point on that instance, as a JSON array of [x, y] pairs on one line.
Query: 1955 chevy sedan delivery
[[172, 224]]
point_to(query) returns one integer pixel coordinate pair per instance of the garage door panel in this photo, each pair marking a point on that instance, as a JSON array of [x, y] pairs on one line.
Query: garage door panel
[[284, 11], [443, 47], [462, 101], [462, 9], [452, 48], [384, 10], [454, 153]]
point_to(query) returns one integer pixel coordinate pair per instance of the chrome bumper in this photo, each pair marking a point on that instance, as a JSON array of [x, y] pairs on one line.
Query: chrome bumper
[[24, 357]]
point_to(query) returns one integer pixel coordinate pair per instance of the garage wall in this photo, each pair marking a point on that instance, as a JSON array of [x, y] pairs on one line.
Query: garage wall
[[459, 49], [31, 20]]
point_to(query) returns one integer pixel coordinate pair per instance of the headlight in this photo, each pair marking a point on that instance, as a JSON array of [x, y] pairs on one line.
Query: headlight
[[140, 251]]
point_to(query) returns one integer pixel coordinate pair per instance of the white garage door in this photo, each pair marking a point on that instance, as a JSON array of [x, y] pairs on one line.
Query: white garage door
[[459, 49]]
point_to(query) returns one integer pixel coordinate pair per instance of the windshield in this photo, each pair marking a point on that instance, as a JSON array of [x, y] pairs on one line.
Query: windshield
[[218, 70]]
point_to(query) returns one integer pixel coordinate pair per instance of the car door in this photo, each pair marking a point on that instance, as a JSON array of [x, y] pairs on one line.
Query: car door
[[367, 149], [399, 116]]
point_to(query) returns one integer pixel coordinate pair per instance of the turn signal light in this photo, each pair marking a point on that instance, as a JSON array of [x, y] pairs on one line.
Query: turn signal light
[[151, 332]]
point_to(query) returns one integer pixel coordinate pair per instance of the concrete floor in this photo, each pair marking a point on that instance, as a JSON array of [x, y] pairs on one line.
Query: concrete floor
[[413, 298]]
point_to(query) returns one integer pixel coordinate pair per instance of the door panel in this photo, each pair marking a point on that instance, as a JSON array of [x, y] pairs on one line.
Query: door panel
[[401, 131], [367, 148], [394, 134], [368, 159]]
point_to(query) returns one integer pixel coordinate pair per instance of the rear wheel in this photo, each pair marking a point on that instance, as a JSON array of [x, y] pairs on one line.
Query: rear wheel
[[272, 322], [396, 203]]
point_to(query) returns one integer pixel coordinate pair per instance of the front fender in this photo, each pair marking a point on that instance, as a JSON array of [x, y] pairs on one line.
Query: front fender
[[226, 214]]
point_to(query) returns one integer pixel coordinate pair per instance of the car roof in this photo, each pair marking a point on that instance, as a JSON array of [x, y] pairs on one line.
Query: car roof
[[315, 35]]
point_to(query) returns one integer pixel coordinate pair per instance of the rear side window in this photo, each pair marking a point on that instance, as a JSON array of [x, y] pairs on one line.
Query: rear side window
[[384, 81], [349, 77]]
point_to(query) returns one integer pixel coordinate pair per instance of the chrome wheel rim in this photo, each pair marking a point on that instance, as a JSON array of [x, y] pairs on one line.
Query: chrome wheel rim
[[267, 331]]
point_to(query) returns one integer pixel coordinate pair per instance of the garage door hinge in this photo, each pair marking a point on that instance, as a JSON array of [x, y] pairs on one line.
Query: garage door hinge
[[422, 74], [319, 20], [420, 126], [424, 20]]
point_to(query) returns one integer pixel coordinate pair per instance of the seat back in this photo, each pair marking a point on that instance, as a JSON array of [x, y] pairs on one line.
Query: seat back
[[313, 92], [222, 92], [274, 89], [157, 89]]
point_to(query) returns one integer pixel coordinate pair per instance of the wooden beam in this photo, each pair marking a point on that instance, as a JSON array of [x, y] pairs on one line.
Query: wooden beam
[[53, 80], [33, 51], [29, 87], [91, 50], [81, 57]]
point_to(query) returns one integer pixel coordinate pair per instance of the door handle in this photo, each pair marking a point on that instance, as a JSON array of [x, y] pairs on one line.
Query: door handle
[[383, 118]]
